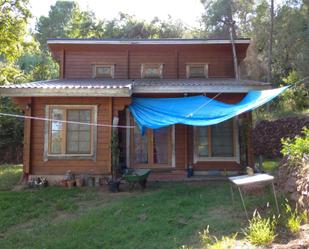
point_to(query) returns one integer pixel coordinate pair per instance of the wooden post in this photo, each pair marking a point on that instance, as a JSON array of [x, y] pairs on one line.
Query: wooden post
[[27, 137], [177, 63], [62, 64], [186, 146], [250, 141], [111, 113], [128, 64]]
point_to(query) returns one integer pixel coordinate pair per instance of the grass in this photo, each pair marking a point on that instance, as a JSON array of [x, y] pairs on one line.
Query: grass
[[165, 215]]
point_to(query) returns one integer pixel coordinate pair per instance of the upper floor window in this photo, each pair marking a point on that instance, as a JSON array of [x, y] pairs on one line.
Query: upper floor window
[[196, 70], [103, 71], [152, 71]]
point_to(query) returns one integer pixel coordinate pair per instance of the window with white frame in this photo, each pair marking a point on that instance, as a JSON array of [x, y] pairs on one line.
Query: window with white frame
[[103, 71], [69, 132], [215, 142], [197, 70], [152, 71]]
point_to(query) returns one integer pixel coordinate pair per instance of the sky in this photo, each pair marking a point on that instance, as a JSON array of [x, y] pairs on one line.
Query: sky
[[189, 11]]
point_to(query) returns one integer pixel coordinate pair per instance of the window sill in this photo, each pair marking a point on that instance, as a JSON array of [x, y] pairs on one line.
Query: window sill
[[70, 157], [216, 159]]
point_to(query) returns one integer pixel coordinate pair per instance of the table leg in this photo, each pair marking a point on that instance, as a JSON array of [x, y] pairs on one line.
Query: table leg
[[272, 183], [232, 193], [243, 202]]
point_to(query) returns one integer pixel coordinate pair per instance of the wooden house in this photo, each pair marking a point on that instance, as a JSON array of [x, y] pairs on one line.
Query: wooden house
[[97, 80]]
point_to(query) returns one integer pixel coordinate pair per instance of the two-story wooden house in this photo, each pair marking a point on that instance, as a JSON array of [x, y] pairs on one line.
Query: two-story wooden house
[[98, 79]]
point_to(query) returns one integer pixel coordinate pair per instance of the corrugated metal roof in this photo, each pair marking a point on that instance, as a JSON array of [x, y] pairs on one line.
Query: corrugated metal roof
[[125, 87], [198, 82], [73, 84], [145, 41]]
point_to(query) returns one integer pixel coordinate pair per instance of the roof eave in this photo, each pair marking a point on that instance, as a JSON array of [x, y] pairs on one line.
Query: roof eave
[[143, 42], [39, 92], [198, 89]]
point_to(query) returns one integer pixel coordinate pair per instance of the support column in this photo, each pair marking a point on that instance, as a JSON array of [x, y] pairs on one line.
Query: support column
[[250, 141], [27, 137]]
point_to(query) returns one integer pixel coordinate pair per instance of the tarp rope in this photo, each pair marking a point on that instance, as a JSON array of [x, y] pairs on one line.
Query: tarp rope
[[66, 121]]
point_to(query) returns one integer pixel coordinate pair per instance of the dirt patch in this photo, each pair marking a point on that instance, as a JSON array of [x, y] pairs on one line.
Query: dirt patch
[[301, 242]]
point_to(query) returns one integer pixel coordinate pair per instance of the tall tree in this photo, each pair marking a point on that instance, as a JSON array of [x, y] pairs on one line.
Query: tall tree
[[220, 16], [219, 12], [14, 15], [65, 20], [270, 46]]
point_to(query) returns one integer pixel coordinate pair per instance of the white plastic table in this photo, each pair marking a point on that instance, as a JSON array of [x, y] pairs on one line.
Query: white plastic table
[[239, 181]]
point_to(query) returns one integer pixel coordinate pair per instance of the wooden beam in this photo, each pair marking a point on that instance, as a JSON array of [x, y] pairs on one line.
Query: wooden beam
[[27, 137], [62, 64], [111, 112], [177, 63], [250, 141], [128, 64], [186, 145]]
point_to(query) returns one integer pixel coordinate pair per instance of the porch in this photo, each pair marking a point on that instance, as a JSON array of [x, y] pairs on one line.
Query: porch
[[218, 150]]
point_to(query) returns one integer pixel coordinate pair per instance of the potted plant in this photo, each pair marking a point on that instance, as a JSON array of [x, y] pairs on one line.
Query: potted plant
[[114, 182]]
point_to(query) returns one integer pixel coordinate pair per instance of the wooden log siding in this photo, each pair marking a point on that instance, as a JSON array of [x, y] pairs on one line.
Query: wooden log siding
[[128, 59], [102, 164]]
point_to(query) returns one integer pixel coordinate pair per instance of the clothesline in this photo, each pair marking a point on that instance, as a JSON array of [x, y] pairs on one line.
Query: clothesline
[[65, 121]]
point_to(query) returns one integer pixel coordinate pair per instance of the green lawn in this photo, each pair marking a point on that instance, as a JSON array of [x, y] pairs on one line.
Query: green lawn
[[165, 215]]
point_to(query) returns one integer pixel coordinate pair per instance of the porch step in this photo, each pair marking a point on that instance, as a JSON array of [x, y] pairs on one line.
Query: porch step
[[181, 175], [174, 175]]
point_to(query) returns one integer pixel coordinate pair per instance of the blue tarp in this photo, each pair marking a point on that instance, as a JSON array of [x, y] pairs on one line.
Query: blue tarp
[[155, 113]]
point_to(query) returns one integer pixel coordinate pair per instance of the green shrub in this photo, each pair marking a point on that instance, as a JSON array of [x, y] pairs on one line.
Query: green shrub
[[185, 247], [211, 242], [205, 237], [261, 231], [224, 243], [296, 148], [294, 218]]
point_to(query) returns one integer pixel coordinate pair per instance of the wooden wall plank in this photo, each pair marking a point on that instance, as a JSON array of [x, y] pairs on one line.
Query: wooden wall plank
[[77, 60]]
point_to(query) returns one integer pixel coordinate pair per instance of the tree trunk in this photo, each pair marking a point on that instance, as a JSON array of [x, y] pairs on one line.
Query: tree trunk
[[270, 46], [232, 31]]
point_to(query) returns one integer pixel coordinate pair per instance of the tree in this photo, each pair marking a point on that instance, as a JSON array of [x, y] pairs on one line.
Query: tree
[[14, 15], [270, 46], [219, 13], [65, 20]]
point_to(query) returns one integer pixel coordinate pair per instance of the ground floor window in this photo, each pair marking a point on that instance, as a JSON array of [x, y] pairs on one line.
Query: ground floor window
[[76, 138], [216, 141], [153, 149]]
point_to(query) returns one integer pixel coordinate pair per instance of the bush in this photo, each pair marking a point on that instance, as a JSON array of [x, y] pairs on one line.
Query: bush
[[294, 218], [267, 135], [261, 231], [296, 148], [211, 242]]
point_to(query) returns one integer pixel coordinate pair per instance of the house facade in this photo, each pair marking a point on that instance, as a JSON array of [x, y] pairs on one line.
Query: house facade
[[97, 81]]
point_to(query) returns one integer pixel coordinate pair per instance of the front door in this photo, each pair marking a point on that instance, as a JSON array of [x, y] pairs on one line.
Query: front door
[[153, 150]]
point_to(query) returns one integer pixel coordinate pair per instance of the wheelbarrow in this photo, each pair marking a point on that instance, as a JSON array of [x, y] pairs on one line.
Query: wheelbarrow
[[133, 176]]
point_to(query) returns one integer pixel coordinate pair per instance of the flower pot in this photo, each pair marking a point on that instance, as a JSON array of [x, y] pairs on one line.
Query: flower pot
[[63, 183], [113, 186], [71, 183], [90, 181], [190, 172], [79, 182]]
